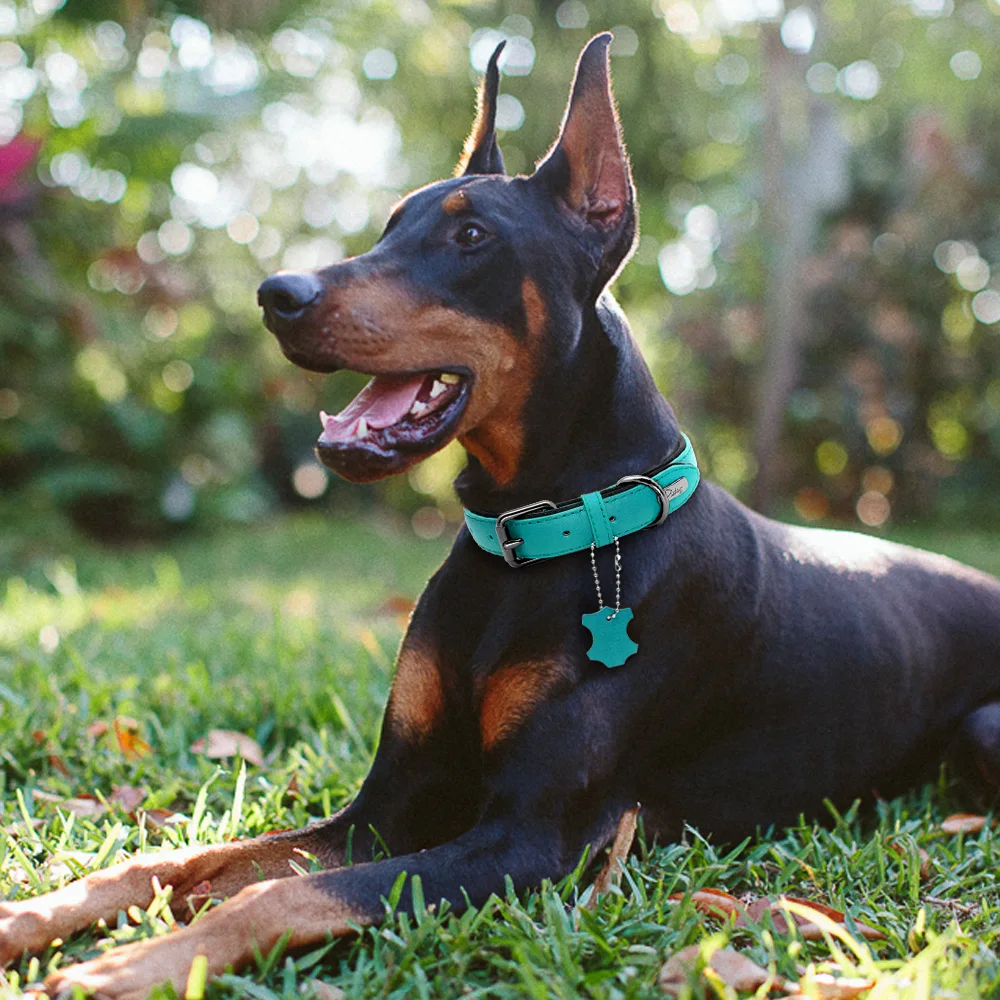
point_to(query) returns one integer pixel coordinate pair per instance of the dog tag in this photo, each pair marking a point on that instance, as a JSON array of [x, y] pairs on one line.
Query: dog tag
[[612, 645]]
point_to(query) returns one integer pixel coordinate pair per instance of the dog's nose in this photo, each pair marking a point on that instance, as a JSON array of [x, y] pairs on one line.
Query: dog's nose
[[287, 296]]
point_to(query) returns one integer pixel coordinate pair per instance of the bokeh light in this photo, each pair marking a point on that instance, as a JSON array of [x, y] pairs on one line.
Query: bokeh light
[[831, 458], [873, 509], [310, 480]]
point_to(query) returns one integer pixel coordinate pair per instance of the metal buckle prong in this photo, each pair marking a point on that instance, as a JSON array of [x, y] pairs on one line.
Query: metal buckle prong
[[661, 495], [508, 544]]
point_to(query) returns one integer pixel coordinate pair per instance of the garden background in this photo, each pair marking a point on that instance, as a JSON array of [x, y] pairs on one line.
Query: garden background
[[814, 285], [816, 288]]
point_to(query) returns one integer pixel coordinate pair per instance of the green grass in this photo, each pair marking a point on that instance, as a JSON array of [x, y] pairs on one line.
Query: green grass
[[287, 632]]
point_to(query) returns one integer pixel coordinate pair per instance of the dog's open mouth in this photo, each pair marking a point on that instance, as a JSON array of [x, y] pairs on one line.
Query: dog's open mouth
[[395, 421]]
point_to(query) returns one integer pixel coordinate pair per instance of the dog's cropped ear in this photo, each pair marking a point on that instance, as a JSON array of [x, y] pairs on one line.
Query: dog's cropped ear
[[587, 170], [481, 154]]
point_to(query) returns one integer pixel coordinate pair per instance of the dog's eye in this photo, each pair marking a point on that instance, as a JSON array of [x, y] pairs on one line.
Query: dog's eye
[[471, 235]]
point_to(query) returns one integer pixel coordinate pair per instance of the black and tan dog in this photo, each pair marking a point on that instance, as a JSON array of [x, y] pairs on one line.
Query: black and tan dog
[[482, 314]]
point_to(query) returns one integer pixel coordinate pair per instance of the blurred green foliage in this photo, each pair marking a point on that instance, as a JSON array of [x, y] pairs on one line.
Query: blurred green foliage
[[159, 160]]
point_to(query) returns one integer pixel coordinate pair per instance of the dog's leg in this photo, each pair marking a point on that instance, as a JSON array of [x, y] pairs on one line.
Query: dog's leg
[[534, 822], [218, 871], [422, 791], [321, 905], [981, 735]]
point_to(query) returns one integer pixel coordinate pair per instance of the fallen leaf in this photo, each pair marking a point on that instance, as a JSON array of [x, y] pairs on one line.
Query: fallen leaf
[[158, 818], [677, 970], [738, 971], [128, 797], [925, 859], [806, 928], [735, 970], [40, 796], [130, 743], [611, 873], [963, 823], [713, 902], [83, 806], [56, 763], [322, 991], [226, 743], [716, 903], [834, 987]]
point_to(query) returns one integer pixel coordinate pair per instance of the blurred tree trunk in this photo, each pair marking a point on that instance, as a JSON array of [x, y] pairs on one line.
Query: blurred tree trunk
[[805, 174]]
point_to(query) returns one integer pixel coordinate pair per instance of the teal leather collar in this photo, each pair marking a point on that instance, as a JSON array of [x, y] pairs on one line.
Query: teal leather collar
[[633, 503]]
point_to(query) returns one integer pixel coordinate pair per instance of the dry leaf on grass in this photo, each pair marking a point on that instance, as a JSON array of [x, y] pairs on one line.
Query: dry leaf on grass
[[809, 930], [738, 971], [39, 796], [83, 806], [963, 823], [156, 819], [735, 970], [58, 764], [225, 743], [131, 744], [322, 991], [55, 761], [128, 797], [611, 873], [716, 903]]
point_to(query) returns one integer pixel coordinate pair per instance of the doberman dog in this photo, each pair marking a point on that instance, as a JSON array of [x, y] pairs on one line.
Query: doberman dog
[[482, 314]]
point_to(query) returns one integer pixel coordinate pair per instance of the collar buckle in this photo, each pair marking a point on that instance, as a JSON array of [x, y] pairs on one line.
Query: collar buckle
[[661, 494], [508, 544]]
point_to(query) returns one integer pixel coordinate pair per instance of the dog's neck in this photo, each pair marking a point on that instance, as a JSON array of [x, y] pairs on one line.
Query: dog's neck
[[595, 417]]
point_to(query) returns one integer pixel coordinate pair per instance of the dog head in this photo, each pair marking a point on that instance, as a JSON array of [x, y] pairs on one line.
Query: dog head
[[476, 287]]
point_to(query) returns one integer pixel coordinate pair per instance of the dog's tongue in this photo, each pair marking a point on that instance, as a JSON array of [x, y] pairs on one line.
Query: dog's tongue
[[384, 401]]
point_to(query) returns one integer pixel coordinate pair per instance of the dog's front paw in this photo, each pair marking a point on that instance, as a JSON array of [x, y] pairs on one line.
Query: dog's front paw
[[23, 928], [128, 972]]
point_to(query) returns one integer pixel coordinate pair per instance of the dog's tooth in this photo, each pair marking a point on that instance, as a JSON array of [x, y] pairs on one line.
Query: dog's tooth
[[362, 428], [437, 388], [418, 408], [449, 378]]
